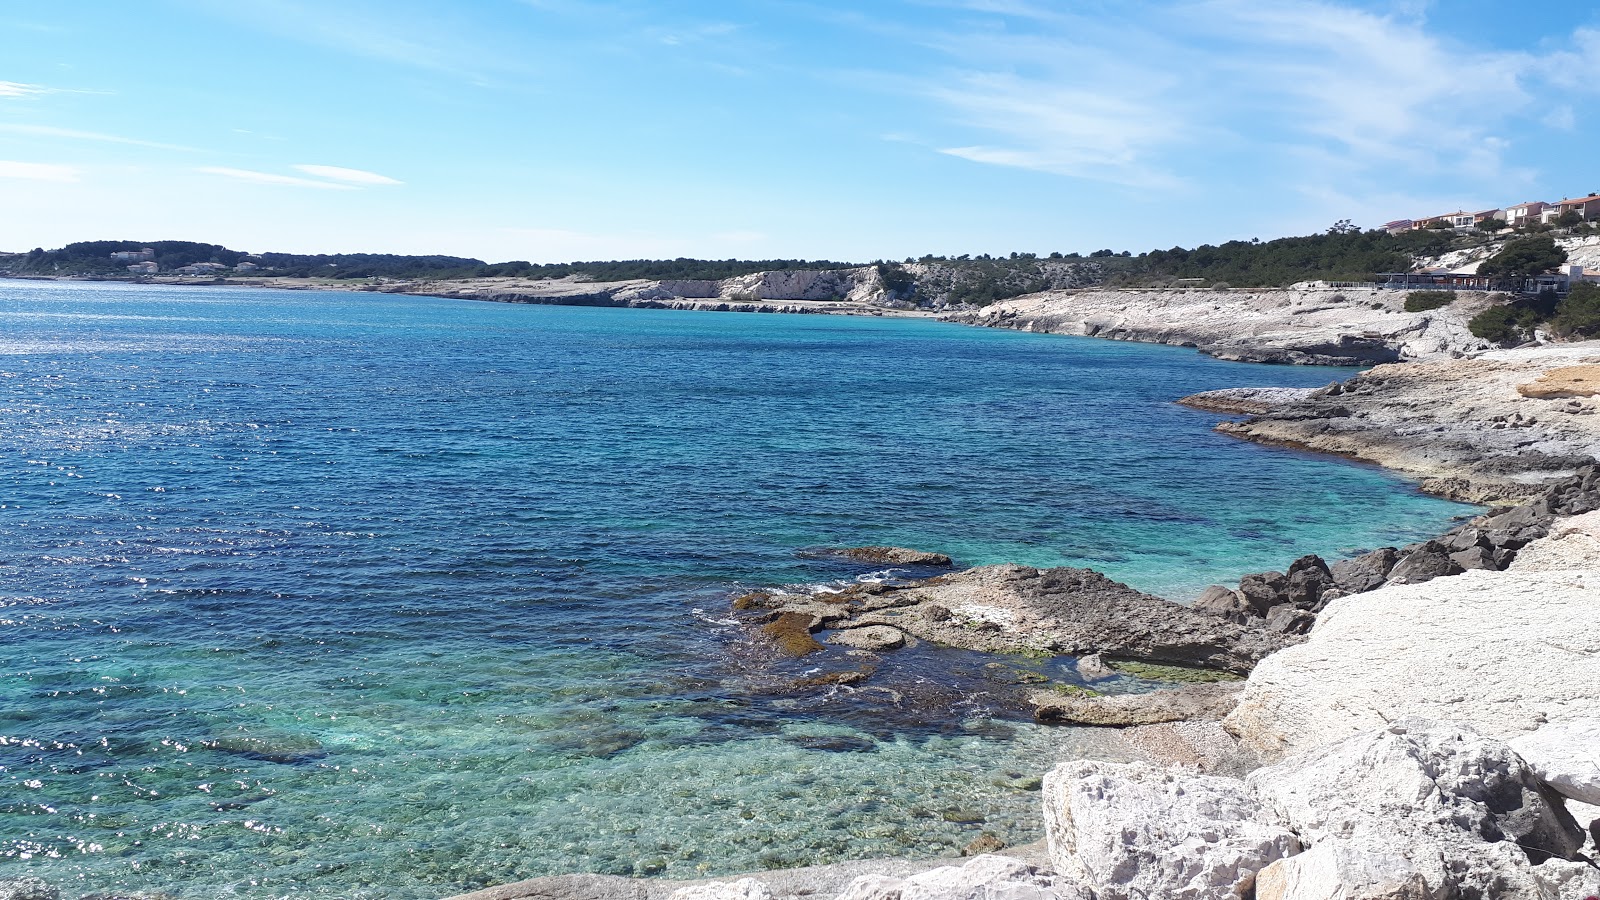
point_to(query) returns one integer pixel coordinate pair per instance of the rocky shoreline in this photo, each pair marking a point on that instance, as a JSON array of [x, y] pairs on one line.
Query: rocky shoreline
[[1384, 756], [1320, 774], [1495, 427]]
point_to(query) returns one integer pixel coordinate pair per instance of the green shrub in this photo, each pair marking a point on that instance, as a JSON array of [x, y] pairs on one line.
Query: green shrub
[[1422, 301], [1504, 324], [1578, 315]]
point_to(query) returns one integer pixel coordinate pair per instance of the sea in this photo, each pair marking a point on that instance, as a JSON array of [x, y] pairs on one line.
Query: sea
[[360, 595]]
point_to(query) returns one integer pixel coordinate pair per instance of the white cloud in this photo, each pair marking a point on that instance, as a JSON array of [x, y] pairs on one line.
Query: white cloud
[[271, 178], [18, 89], [37, 171], [352, 176], [73, 134]]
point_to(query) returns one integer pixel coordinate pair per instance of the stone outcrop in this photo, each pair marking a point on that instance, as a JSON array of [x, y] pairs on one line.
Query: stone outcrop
[[1462, 427], [1566, 756], [894, 556], [1344, 326], [1460, 648], [1418, 809], [1564, 383], [1014, 609], [1131, 831]]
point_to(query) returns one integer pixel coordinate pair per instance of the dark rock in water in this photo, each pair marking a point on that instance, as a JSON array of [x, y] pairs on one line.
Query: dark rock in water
[[1225, 602], [894, 556], [1000, 673], [1421, 562], [829, 679], [1366, 572], [1193, 701], [1290, 619], [752, 600], [1308, 577], [270, 746], [1263, 591], [791, 631], [834, 743], [983, 843]]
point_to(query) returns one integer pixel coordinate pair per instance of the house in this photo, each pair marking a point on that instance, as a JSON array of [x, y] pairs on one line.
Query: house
[[134, 255], [1458, 219], [203, 268], [1525, 213], [1586, 207], [1485, 215], [1398, 226], [144, 268], [246, 266]]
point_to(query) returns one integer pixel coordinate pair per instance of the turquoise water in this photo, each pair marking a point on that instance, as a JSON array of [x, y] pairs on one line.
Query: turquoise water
[[351, 595]]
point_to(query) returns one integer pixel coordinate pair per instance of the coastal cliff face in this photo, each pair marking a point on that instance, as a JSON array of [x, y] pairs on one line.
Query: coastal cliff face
[[1313, 326], [1488, 429]]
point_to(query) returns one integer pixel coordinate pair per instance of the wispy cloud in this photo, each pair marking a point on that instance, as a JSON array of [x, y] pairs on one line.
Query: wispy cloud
[[351, 176], [273, 178], [18, 89], [74, 134], [1148, 94], [37, 171]]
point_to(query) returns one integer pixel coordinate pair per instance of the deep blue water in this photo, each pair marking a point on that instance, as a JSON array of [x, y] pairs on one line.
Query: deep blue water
[[353, 595]]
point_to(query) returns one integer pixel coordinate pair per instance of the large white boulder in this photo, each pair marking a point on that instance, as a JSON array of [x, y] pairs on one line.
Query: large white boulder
[[1131, 830], [1419, 810], [1500, 651], [1566, 756]]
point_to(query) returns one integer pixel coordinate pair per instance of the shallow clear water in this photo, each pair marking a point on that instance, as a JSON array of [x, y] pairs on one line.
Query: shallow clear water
[[351, 595]]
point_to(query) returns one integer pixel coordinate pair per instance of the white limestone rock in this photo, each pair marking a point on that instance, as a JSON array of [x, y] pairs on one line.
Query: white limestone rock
[[985, 877], [1418, 810], [1130, 830], [743, 889], [1566, 756], [1502, 652], [1573, 543]]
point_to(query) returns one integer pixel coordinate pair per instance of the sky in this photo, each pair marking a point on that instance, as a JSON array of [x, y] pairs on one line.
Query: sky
[[560, 130]]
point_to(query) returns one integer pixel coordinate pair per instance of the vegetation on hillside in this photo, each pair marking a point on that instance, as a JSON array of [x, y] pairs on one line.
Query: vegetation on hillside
[[1342, 253], [1513, 320], [1422, 301]]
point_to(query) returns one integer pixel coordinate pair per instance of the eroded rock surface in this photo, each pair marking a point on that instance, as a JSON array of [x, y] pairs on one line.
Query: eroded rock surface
[[1015, 609], [1311, 326], [1500, 651], [1136, 831], [1463, 426]]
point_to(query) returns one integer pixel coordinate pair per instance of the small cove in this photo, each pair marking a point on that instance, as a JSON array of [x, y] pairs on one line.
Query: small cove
[[308, 591]]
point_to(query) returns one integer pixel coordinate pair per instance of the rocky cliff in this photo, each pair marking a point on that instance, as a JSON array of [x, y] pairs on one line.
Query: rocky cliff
[[1306, 326]]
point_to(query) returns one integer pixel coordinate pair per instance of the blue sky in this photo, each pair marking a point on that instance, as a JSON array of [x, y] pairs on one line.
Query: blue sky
[[552, 130]]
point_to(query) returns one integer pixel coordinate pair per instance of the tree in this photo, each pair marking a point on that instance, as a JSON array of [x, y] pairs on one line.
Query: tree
[[1491, 224], [1524, 258], [1568, 218], [1578, 315], [1343, 226]]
